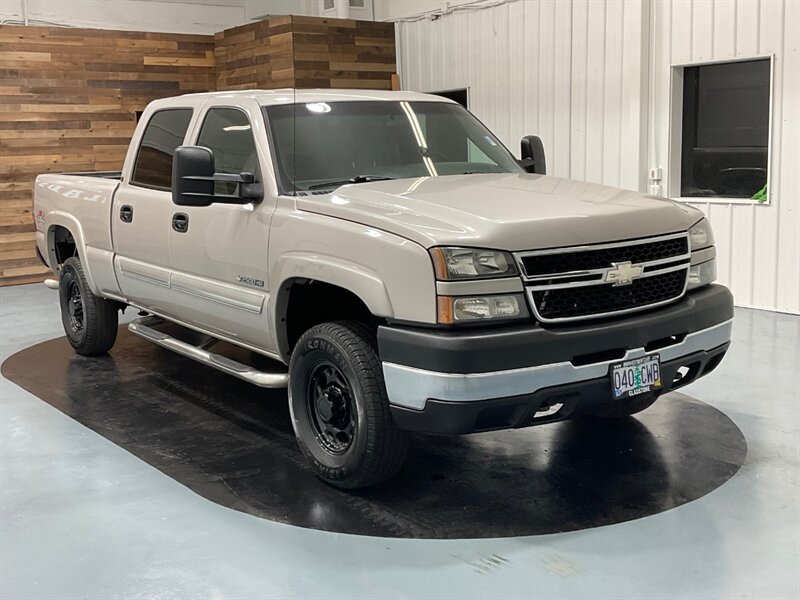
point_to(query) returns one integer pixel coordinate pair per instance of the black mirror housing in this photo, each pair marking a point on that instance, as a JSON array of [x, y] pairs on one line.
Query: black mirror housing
[[532, 153], [194, 175]]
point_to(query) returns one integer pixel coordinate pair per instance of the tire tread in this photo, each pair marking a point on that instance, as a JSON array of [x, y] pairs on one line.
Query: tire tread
[[101, 316]]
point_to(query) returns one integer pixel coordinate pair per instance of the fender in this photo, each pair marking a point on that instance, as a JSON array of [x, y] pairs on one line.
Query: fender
[[363, 282], [57, 218]]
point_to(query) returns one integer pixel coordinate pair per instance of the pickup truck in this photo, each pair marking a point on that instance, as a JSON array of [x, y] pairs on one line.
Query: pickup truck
[[401, 268]]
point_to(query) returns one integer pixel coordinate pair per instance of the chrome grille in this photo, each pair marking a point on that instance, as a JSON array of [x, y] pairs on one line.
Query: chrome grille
[[606, 279]]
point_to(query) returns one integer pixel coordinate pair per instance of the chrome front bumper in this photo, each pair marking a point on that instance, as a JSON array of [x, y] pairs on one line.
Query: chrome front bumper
[[412, 387]]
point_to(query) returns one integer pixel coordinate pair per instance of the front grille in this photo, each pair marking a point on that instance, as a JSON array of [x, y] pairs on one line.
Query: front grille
[[588, 259], [592, 281], [578, 302]]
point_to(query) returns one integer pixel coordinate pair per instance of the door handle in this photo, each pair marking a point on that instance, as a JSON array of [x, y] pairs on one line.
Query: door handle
[[180, 222], [126, 213]]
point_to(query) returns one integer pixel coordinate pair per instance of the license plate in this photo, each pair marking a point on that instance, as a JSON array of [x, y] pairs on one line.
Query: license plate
[[635, 377]]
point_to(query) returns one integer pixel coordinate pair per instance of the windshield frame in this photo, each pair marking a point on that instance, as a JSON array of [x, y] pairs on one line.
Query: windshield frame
[[287, 188]]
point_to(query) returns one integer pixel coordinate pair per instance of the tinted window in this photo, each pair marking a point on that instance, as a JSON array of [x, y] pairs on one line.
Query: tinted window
[[163, 134], [320, 145], [725, 129], [227, 132]]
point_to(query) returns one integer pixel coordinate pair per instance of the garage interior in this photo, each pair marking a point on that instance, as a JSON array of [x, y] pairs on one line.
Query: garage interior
[[141, 473]]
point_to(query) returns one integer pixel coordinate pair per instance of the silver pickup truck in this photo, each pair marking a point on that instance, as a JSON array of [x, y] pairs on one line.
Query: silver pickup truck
[[386, 247]]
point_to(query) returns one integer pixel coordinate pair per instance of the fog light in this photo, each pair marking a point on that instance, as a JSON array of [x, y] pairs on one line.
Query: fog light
[[702, 274]]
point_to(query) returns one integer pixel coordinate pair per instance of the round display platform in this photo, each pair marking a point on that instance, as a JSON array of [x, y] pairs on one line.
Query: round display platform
[[233, 443]]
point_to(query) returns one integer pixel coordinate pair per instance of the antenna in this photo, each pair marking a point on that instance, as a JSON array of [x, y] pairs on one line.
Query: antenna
[[294, 138]]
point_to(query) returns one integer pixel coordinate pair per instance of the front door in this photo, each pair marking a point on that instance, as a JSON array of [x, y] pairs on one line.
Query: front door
[[142, 212], [219, 252]]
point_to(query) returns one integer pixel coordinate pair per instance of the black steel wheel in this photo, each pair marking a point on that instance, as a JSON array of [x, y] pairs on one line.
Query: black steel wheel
[[340, 411], [330, 408], [90, 322], [74, 306]]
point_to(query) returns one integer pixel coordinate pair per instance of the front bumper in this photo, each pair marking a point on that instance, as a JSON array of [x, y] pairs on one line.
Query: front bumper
[[463, 381]]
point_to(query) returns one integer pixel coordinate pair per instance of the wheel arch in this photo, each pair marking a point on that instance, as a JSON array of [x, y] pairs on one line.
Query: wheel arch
[[357, 292]]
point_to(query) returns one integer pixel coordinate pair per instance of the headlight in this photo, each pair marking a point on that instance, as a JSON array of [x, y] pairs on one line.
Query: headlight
[[702, 274], [459, 309], [701, 235], [470, 263]]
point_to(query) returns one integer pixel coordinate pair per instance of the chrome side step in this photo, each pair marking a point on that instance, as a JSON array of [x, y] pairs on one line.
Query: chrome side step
[[217, 361]]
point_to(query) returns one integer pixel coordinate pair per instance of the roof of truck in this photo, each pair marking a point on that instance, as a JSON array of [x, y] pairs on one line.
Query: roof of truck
[[290, 95]]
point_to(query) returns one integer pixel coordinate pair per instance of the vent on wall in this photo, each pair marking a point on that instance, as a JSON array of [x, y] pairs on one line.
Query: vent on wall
[[356, 3], [327, 4]]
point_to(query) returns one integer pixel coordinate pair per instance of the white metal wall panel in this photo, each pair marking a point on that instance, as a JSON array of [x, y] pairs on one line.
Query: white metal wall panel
[[758, 245], [592, 78], [561, 70]]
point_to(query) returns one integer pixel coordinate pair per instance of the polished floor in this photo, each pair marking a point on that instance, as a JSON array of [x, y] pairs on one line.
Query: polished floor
[[86, 514]]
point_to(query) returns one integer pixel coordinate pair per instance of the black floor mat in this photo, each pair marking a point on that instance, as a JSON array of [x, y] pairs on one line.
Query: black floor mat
[[233, 443]]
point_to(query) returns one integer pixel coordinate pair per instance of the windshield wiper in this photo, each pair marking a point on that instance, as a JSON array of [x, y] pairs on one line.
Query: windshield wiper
[[356, 179]]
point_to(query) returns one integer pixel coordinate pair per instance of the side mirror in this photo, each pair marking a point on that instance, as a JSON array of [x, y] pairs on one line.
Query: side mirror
[[532, 152], [194, 175]]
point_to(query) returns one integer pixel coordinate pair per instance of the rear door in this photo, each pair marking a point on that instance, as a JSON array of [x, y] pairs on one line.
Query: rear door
[[142, 212], [219, 252]]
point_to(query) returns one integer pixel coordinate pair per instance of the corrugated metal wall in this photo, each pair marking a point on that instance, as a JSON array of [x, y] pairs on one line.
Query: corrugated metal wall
[[759, 246], [578, 74]]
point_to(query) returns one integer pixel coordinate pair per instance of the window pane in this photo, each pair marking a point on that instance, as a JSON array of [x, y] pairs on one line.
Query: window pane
[[227, 132], [725, 129], [163, 134]]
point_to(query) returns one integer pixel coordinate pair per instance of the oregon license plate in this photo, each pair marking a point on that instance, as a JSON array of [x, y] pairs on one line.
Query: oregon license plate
[[637, 376]]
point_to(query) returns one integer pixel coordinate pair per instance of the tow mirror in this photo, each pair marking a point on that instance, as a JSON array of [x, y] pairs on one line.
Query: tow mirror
[[532, 153], [194, 177]]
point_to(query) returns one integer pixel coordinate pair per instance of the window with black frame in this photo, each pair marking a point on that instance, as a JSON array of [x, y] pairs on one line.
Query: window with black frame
[[725, 134]]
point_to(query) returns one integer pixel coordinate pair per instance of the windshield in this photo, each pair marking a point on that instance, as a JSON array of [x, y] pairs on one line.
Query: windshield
[[333, 143]]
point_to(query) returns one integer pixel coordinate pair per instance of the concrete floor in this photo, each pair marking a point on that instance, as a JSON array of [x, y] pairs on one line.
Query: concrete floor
[[81, 517]]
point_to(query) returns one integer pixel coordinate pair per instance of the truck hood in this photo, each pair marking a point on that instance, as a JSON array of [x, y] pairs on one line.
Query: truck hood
[[507, 211]]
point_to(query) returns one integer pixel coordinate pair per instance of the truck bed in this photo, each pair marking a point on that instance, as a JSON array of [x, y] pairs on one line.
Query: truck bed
[[82, 204]]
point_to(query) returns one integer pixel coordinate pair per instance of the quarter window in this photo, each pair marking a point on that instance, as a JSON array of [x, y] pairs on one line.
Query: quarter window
[[165, 132], [228, 134], [725, 133]]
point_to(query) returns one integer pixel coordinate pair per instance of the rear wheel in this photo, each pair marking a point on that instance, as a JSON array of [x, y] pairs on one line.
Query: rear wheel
[[90, 322], [339, 406]]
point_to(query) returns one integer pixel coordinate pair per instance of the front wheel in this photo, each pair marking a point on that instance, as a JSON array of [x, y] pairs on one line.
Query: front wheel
[[90, 322], [340, 411]]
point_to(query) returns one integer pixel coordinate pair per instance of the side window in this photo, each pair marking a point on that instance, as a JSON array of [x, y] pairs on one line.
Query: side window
[[227, 133], [164, 133]]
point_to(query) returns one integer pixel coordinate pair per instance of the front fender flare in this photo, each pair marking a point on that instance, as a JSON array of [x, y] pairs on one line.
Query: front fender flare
[[292, 266]]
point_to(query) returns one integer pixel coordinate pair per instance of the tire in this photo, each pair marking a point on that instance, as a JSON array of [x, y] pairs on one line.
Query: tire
[[339, 407], [621, 410], [90, 322]]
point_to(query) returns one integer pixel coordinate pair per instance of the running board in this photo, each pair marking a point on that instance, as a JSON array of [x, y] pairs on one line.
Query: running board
[[217, 361]]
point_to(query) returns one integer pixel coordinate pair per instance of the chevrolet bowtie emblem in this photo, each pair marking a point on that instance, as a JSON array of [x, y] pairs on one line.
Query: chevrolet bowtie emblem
[[623, 273]]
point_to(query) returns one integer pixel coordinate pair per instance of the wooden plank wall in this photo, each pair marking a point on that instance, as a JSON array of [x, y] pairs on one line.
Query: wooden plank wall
[[306, 52], [257, 55], [69, 97], [68, 102], [342, 53]]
